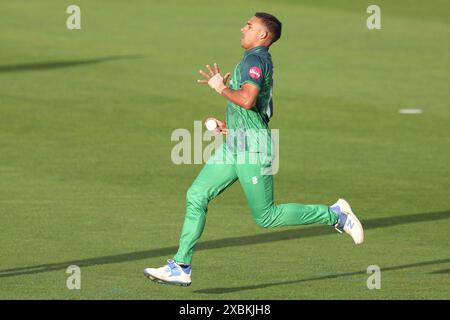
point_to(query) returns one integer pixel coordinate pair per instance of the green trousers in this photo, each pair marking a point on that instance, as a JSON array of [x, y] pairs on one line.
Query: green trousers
[[220, 172]]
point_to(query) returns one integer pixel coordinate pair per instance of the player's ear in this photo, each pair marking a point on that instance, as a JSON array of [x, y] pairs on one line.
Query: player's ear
[[264, 34]]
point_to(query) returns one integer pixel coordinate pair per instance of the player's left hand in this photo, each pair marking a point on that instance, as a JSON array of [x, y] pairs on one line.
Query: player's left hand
[[214, 79]]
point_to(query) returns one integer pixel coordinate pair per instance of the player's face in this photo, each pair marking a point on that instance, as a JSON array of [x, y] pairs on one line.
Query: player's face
[[251, 33]]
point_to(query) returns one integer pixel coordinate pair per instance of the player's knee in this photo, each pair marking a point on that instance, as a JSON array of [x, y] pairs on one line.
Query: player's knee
[[194, 192], [262, 218], [196, 196]]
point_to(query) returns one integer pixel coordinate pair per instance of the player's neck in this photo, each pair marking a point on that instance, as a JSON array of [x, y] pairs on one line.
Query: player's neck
[[257, 46]]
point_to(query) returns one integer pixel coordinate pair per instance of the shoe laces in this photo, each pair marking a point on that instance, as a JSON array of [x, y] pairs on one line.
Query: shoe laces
[[171, 264]]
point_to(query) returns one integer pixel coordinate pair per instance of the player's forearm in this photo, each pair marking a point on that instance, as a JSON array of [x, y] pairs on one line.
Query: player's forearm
[[245, 97], [238, 97]]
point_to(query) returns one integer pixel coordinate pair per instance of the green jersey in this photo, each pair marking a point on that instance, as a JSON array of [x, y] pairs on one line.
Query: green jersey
[[255, 68]]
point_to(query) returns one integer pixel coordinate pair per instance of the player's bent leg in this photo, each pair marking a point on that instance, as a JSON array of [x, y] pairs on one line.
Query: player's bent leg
[[258, 189], [269, 215]]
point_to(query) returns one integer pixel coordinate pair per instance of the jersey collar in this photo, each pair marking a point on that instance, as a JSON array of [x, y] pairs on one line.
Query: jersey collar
[[256, 49]]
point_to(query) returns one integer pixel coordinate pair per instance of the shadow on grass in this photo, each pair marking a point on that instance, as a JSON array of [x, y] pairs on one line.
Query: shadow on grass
[[332, 276], [49, 65], [225, 243], [443, 271]]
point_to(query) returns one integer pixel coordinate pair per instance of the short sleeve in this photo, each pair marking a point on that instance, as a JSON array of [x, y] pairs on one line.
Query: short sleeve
[[252, 71]]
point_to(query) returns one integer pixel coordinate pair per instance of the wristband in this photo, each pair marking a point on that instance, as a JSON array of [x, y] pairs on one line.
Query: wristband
[[216, 82]]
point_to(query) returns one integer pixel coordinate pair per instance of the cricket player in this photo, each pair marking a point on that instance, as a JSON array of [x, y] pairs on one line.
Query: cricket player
[[249, 109]]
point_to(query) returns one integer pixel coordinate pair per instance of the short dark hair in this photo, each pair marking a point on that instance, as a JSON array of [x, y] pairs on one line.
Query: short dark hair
[[271, 23]]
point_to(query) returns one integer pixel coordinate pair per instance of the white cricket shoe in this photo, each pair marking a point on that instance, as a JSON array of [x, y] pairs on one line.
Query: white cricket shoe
[[347, 221], [172, 273]]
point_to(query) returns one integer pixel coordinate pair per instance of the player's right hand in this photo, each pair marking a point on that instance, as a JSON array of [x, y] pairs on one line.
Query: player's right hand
[[212, 73]]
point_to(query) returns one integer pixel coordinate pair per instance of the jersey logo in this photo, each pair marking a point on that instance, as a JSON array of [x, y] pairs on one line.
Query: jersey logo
[[254, 73]]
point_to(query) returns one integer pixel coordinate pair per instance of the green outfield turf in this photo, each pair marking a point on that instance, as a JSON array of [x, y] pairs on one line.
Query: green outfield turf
[[86, 176]]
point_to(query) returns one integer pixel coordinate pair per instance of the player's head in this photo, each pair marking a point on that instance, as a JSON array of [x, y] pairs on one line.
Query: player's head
[[262, 29]]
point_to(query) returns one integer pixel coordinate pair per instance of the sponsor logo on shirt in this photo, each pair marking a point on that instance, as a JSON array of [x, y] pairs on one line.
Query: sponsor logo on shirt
[[254, 72]]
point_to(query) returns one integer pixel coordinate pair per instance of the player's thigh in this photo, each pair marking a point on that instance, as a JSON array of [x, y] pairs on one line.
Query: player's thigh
[[215, 176], [257, 186]]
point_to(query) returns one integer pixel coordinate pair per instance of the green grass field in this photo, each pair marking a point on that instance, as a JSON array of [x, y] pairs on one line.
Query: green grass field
[[85, 171]]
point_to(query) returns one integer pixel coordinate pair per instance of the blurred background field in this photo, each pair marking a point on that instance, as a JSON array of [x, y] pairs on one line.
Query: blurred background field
[[86, 176]]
